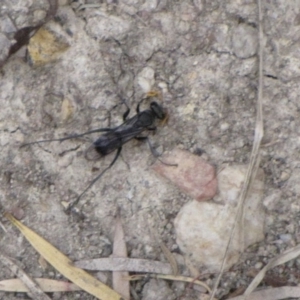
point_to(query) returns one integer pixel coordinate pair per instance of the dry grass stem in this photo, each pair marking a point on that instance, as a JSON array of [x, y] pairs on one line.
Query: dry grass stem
[[254, 158]]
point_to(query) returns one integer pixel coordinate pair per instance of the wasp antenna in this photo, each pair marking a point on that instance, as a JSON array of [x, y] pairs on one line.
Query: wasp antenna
[[39, 142]]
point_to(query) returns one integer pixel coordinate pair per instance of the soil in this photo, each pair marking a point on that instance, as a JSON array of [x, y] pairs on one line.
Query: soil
[[202, 57]]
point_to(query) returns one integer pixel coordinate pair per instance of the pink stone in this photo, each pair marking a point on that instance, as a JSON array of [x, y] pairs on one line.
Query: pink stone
[[193, 175]]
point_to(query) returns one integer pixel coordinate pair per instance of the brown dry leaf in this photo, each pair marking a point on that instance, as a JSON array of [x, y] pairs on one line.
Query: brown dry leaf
[[32, 288], [273, 294], [64, 265], [237, 292], [274, 280], [120, 281], [125, 264], [47, 285]]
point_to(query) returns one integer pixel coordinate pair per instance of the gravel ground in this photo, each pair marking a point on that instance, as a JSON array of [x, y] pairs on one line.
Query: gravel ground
[[202, 56]]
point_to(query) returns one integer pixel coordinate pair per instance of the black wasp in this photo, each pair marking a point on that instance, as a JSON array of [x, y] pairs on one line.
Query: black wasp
[[114, 138]]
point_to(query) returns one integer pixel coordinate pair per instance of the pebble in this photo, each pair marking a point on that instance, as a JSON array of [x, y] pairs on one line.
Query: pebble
[[146, 79], [157, 290], [48, 44], [192, 175], [285, 237], [244, 41], [203, 228], [258, 265]]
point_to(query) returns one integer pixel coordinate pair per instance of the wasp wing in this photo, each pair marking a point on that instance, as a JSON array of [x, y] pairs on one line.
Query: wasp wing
[[113, 139]]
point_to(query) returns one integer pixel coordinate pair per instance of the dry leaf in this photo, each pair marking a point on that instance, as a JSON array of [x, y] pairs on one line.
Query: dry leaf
[[273, 294], [46, 285], [64, 265], [120, 281], [32, 288], [170, 257], [125, 264], [281, 259]]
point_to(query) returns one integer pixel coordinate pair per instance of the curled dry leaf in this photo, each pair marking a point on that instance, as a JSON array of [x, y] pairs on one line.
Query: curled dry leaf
[[125, 264], [280, 259], [193, 175]]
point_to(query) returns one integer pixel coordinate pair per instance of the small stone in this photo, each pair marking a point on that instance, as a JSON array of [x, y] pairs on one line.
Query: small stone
[[105, 26], [18, 212], [203, 228], [198, 4], [48, 44], [244, 41], [62, 2], [224, 126], [4, 46], [39, 15], [157, 290], [285, 175], [149, 5], [193, 175], [146, 79], [285, 237], [7, 26], [67, 110], [272, 201]]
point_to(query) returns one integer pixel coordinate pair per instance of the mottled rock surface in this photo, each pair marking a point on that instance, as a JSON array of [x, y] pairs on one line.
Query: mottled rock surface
[[203, 229], [190, 173]]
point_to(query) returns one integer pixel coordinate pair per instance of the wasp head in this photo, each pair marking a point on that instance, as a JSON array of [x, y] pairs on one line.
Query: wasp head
[[159, 112]]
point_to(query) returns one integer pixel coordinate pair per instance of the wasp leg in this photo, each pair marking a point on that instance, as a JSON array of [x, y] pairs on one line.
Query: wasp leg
[[67, 137], [126, 113], [71, 205], [150, 94], [153, 151], [140, 102]]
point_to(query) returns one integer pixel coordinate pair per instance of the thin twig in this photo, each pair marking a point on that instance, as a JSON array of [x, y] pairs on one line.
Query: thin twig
[[253, 166]]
